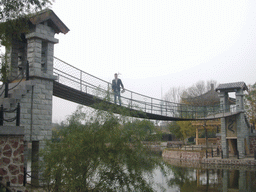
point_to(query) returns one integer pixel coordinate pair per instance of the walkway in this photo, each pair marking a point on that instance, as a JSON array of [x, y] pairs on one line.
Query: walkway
[[80, 87]]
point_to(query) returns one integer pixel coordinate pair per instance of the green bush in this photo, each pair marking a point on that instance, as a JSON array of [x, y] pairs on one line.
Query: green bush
[[101, 151]]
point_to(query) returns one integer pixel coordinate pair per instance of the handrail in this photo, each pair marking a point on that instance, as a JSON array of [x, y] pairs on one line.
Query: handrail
[[78, 79]]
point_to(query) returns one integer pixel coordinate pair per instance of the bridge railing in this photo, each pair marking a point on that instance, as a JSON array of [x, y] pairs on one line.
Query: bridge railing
[[85, 82]]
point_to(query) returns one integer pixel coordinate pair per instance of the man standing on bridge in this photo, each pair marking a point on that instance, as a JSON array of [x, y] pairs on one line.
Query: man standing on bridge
[[116, 83]]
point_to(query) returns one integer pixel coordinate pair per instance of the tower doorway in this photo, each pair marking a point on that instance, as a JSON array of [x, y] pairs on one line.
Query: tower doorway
[[232, 143]]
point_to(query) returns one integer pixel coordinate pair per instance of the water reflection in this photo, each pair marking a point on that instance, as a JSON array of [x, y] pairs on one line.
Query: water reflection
[[201, 178], [194, 177]]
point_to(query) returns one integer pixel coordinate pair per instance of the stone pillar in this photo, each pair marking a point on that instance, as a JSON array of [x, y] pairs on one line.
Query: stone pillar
[[239, 100], [242, 129], [12, 55], [242, 180], [40, 50], [37, 106], [16, 58], [34, 56], [241, 134], [34, 95], [225, 180], [224, 105], [224, 142]]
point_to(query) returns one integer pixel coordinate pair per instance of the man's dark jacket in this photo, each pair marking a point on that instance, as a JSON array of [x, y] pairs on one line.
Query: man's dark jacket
[[116, 86]]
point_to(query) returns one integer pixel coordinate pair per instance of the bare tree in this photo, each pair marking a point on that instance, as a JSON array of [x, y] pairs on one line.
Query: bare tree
[[196, 94], [174, 94]]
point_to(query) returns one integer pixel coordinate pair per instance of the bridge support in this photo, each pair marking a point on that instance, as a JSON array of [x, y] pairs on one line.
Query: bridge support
[[34, 95], [234, 130]]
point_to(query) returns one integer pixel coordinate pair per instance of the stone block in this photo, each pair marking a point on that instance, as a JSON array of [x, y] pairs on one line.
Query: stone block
[[39, 96], [40, 138]]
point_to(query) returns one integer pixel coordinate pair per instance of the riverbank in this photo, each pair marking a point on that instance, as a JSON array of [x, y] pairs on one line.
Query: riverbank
[[199, 157]]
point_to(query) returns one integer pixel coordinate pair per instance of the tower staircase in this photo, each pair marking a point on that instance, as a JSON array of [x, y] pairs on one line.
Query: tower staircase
[[16, 91]]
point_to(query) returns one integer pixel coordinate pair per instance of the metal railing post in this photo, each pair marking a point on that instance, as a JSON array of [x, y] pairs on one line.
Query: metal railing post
[[81, 74], [181, 111], [131, 100], [161, 107], [6, 89], [27, 71], [151, 104], [24, 177], [166, 108], [2, 115], [18, 115], [8, 184]]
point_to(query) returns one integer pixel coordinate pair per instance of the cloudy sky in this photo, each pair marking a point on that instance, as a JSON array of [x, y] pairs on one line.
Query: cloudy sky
[[158, 44]]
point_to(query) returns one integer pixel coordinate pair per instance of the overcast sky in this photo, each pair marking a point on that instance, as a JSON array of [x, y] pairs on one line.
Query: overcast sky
[[158, 44]]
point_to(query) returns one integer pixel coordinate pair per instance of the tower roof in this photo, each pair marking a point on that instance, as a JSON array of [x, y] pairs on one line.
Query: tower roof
[[52, 19], [209, 98], [232, 86]]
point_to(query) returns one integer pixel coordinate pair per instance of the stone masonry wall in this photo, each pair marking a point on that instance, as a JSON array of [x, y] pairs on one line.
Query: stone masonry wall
[[186, 155], [12, 159], [252, 140], [35, 108], [41, 111]]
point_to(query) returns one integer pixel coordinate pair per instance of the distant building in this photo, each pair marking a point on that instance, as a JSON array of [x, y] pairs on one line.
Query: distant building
[[206, 130]]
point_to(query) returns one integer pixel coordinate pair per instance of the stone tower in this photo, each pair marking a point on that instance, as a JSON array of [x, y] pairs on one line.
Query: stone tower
[[33, 52], [234, 129]]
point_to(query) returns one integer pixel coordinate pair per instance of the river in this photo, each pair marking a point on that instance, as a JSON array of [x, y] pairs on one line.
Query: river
[[189, 176], [193, 177]]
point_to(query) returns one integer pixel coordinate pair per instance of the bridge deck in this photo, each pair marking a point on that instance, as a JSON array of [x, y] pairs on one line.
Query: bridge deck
[[74, 95], [80, 87]]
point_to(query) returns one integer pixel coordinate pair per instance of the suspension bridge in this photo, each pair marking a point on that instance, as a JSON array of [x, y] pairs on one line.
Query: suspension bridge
[[75, 85], [36, 75]]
